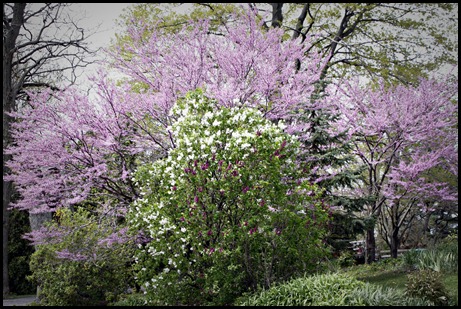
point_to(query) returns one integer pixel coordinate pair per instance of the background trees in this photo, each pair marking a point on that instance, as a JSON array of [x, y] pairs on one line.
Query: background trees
[[400, 42], [401, 134], [390, 43], [86, 143], [40, 47]]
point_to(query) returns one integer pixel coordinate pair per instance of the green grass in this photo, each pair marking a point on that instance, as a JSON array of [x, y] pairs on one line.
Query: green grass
[[393, 276], [451, 283], [394, 279]]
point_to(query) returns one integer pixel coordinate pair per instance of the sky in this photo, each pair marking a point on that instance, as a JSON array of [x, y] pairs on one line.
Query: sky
[[99, 20], [102, 15]]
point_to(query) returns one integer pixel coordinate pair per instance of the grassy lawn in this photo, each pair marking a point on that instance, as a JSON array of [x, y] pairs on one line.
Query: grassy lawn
[[397, 278], [394, 279]]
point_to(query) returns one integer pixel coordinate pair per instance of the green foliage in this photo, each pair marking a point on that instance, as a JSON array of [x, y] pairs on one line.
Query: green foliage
[[330, 290], [344, 228], [441, 258], [427, 284], [19, 252], [316, 290], [410, 259], [378, 295], [438, 260], [98, 278], [394, 274], [346, 258], [131, 300], [227, 210]]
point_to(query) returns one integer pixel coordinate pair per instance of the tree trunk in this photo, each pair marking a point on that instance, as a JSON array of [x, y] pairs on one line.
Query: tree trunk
[[370, 252], [7, 193], [10, 34], [277, 15], [395, 243]]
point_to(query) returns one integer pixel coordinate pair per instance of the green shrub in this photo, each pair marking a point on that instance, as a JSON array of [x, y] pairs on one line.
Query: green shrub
[[346, 259], [410, 259], [443, 257], [131, 300], [227, 211], [427, 284], [94, 274], [330, 290], [316, 290]]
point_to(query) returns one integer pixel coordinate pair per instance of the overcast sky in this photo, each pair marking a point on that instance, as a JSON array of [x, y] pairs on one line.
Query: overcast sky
[[103, 14], [97, 19]]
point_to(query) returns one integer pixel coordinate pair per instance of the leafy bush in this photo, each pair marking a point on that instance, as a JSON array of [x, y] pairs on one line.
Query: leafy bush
[[84, 265], [330, 290], [346, 259], [410, 259], [427, 284], [316, 290], [227, 211], [437, 260], [131, 300]]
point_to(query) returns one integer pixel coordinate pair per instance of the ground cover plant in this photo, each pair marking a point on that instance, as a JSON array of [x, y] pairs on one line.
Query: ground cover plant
[[383, 283], [331, 289], [418, 273]]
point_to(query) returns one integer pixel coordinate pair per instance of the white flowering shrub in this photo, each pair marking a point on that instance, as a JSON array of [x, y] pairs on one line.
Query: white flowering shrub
[[227, 211]]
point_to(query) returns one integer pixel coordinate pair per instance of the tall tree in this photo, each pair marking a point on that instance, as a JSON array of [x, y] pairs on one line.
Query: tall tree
[[399, 42], [84, 144], [371, 40], [400, 134], [40, 45]]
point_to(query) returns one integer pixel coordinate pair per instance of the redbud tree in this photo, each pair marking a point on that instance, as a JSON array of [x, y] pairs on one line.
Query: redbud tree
[[71, 147], [400, 134], [227, 210]]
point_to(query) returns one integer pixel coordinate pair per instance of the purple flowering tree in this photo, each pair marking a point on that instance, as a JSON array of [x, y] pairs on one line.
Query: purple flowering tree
[[71, 148], [400, 134]]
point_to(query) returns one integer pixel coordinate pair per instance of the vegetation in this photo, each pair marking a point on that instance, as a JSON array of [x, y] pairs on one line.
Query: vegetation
[[19, 252], [226, 163], [330, 290], [217, 212], [81, 266], [427, 284]]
